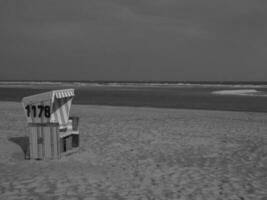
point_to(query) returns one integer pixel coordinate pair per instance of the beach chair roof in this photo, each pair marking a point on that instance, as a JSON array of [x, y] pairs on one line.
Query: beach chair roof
[[58, 101], [46, 96]]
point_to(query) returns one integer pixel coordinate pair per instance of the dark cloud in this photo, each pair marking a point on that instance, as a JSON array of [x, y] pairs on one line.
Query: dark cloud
[[133, 40]]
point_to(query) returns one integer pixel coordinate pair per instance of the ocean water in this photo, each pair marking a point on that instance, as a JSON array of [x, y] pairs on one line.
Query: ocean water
[[251, 97]]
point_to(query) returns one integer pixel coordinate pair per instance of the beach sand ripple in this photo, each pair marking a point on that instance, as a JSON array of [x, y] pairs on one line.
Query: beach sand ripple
[[142, 153]]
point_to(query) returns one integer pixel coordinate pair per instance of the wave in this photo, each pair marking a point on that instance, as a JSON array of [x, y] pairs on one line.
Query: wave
[[144, 84], [244, 92], [131, 84], [29, 82]]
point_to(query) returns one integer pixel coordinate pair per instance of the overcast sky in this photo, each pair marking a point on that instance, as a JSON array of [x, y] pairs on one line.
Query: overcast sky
[[134, 40]]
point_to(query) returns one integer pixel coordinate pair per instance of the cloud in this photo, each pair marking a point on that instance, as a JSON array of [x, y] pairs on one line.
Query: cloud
[[125, 39]]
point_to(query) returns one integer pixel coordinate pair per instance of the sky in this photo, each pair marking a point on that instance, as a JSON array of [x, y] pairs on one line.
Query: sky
[[142, 40]]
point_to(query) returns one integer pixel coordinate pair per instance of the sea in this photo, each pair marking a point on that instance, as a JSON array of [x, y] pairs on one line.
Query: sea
[[228, 96]]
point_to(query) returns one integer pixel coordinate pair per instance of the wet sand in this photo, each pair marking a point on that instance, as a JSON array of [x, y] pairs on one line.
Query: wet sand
[[142, 153]]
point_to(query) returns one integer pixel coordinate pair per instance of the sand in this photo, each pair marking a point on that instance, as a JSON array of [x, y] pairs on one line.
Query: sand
[[142, 153]]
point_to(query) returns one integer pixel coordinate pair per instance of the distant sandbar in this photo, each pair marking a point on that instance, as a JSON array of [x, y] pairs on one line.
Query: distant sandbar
[[245, 92]]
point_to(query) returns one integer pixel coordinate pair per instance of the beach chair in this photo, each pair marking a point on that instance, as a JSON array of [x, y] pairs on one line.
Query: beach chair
[[52, 133]]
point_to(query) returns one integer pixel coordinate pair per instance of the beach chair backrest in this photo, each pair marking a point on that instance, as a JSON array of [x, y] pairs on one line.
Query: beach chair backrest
[[49, 107]]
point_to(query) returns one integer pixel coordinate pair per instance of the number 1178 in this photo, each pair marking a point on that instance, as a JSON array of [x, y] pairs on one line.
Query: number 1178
[[40, 110]]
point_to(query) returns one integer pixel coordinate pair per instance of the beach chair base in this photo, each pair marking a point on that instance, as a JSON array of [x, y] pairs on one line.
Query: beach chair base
[[47, 142]]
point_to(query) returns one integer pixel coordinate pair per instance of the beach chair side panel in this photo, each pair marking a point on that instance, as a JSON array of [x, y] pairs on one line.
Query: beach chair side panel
[[55, 142], [69, 143], [51, 142], [47, 143], [36, 143]]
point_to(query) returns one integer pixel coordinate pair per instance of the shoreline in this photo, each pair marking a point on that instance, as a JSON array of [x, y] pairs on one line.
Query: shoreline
[[177, 98], [155, 107]]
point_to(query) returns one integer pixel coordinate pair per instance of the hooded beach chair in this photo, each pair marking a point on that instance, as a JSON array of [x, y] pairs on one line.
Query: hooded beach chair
[[52, 133]]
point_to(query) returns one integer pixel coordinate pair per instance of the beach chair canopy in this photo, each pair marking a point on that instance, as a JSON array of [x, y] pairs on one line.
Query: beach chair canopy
[[53, 106]]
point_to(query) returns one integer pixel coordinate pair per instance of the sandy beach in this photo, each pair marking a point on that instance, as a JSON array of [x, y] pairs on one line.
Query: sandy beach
[[142, 153]]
